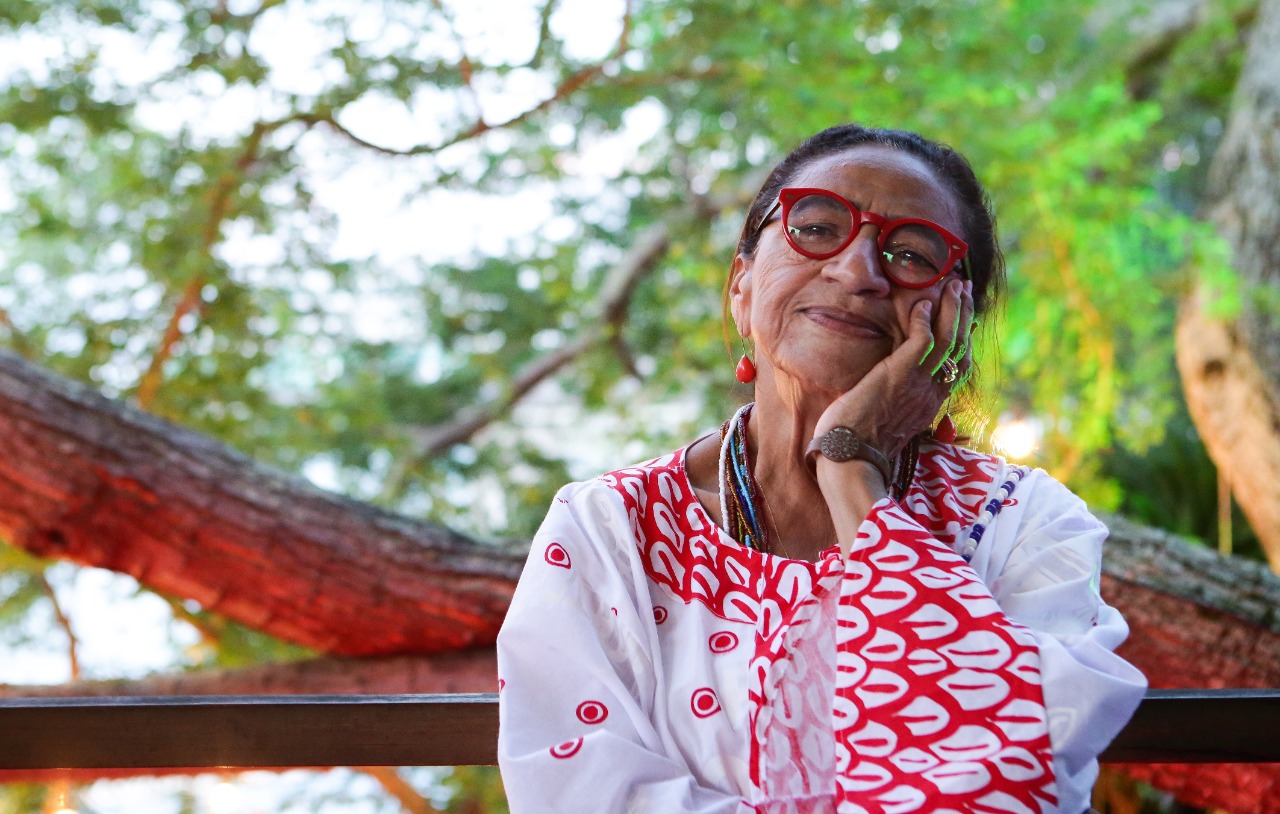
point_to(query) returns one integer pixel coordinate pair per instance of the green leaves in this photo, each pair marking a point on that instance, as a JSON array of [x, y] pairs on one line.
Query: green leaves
[[119, 214]]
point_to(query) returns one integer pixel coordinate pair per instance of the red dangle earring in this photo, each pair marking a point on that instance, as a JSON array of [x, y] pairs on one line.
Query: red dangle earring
[[746, 371], [946, 430]]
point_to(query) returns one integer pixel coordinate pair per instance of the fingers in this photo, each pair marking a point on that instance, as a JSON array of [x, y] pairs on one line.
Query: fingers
[[946, 354], [965, 323], [921, 330]]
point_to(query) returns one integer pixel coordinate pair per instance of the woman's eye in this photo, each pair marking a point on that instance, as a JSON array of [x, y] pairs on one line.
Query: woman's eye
[[908, 259], [813, 231]]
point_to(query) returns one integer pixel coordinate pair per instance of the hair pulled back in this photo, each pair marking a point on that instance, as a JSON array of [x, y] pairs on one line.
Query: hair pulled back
[[977, 220]]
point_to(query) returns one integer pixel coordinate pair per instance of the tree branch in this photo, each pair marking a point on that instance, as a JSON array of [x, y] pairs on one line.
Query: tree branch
[[1160, 34], [544, 33], [20, 342], [411, 802], [102, 483], [615, 295], [572, 83], [464, 62], [64, 622], [606, 320], [190, 303], [57, 797]]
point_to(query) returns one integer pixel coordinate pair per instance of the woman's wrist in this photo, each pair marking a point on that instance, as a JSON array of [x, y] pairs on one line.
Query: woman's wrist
[[850, 489], [841, 444]]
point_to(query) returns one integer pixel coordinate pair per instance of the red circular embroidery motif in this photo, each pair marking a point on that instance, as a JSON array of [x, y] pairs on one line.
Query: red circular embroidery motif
[[722, 642], [556, 555], [659, 614], [592, 712], [567, 749], [704, 702]]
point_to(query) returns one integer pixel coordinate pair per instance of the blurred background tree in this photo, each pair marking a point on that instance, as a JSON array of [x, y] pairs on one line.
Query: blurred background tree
[[445, 256]]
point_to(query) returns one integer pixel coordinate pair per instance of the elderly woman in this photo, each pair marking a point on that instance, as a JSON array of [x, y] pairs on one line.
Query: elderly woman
[[826, 606]]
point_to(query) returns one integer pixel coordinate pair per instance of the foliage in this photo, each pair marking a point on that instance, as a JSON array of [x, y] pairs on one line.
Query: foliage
[[173, 229], [1174, 485], [476, 790]]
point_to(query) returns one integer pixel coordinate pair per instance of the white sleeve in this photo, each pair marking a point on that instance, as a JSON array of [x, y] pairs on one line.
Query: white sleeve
[[1043, 566], [576, 676]]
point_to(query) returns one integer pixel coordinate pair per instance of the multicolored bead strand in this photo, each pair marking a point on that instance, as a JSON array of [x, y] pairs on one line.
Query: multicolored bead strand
[[743, 513]]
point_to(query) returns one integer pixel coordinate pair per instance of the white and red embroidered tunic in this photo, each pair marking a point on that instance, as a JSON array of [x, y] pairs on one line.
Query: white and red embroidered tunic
[[650, 663]]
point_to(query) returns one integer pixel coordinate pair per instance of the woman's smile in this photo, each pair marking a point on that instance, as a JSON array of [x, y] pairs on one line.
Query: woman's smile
[[845, 322]]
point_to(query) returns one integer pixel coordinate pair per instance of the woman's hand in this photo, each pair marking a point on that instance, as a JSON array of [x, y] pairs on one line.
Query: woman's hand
[[902, 394]]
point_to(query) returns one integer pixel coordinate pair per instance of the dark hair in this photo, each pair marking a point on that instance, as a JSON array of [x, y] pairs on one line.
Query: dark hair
[[986, 262]]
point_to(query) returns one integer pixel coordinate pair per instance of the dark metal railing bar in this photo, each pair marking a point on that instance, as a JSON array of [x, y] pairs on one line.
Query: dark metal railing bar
[[1171, 726]]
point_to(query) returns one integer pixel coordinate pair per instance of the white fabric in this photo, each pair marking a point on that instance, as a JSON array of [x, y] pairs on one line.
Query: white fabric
[[618, 696]]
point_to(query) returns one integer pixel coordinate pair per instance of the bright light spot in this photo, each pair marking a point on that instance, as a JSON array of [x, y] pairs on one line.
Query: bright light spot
[[1016, 437], [224, 798]]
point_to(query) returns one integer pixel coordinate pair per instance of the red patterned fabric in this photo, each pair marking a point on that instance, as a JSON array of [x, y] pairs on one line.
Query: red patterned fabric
[[938, 699], [738, 584], [889, 683]]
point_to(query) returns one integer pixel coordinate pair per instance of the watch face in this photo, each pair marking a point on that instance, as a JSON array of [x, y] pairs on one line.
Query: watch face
[[840, 444]]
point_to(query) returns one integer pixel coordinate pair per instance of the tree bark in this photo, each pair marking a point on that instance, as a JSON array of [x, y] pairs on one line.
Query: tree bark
[[1197, 619], [104, 484], [1230, 367]]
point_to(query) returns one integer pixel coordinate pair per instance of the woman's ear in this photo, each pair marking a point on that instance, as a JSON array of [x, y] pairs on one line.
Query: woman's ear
[[740, 294]]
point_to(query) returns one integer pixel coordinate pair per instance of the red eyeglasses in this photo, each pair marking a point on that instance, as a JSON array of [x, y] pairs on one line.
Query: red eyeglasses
[[914, 252]]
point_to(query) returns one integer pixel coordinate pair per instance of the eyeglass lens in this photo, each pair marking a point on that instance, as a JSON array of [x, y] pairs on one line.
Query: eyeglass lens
[[912, 252]]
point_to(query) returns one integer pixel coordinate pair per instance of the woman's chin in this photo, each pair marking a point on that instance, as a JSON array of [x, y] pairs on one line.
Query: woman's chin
[[830, 380]]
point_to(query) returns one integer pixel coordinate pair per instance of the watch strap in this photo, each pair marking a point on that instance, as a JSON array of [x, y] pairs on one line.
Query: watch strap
[[841, 444]]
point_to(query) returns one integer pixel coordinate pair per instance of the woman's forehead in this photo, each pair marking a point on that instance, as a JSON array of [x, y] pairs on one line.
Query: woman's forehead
[[884, 180]]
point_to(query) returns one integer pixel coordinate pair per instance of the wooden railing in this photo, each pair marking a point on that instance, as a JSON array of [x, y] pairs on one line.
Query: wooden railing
[[1171, 726]]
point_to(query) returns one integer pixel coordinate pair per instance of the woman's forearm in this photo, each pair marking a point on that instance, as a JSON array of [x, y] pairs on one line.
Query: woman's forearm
[[850, 488]]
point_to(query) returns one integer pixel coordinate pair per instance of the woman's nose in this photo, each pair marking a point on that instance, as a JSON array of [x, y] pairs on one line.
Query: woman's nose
[[858, 266]]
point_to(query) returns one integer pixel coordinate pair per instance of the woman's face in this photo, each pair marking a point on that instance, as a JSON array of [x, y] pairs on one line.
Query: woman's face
[[826, 323]]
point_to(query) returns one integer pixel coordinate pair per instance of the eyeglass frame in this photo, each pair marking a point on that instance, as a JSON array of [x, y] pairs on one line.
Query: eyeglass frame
[[958, 250]]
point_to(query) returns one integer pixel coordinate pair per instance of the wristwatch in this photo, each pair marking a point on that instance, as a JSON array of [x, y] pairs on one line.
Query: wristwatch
[[842, 444]]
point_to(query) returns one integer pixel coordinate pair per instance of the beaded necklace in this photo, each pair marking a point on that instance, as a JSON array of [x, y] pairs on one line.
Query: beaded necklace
[[990, 511], [741, 504], [742, 507]]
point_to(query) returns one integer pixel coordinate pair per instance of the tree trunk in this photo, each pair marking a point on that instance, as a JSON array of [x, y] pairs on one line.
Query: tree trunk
[[1231, 366], [104, 484]]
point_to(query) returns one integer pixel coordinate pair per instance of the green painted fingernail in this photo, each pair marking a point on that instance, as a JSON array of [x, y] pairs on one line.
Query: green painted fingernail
[[927, 351]]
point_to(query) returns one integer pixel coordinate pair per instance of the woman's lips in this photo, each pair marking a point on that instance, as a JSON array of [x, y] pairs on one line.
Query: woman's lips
[[845, 322]]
